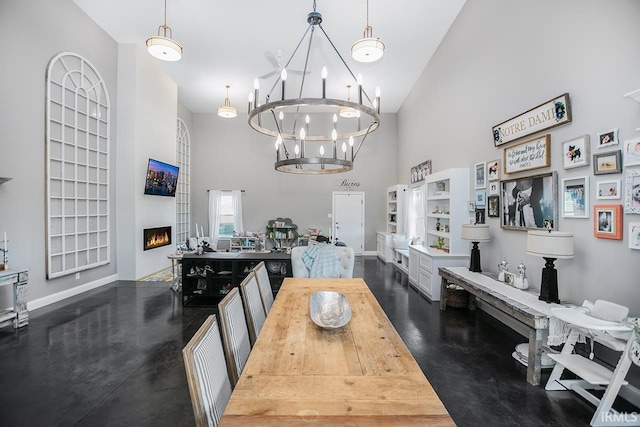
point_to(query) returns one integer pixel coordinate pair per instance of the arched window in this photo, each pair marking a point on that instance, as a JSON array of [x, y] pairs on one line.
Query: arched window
[[183, 198], [77, 169]]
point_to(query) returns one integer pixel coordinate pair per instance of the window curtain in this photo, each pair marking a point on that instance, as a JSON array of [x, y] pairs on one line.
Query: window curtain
[[214, 215], [238, 226]]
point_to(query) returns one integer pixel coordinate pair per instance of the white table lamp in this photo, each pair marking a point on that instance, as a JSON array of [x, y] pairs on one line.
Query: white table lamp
[[475, 233], [550, 245]]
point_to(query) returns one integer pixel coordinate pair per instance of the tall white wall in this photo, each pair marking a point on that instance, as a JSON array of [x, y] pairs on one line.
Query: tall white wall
[[501, 58], [227, 154], [149, 100], [38, 30]]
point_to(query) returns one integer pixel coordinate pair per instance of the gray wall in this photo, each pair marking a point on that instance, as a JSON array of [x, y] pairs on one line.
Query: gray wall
[[37, 30], [501, 58], [227, 154]]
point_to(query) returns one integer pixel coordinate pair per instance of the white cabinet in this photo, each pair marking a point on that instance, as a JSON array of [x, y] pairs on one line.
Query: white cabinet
[[384, 243], [446, 210], [396, 209], [423, 269]]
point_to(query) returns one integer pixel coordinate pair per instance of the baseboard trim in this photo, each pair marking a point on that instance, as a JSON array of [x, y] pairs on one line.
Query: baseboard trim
[[59, 296], [369, 253]]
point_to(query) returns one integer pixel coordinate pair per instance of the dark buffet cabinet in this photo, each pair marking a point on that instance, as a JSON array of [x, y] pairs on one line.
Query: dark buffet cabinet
[[207, 278]]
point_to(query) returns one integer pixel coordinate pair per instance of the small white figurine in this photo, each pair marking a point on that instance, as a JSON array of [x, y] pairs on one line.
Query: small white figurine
[[502, 267], [521, 281]]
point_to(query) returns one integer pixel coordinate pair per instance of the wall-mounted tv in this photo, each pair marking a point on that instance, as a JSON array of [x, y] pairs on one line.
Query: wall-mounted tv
[[162, 179]]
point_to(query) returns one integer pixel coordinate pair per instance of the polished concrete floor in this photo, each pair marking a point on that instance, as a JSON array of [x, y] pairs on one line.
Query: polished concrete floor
[[112, 357]]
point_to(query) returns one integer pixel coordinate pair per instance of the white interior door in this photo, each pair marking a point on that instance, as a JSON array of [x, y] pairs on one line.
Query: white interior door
[[348, 219]]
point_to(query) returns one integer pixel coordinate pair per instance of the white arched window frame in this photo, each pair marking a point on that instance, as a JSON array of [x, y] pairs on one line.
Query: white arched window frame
[[183, 198], [77, 166]]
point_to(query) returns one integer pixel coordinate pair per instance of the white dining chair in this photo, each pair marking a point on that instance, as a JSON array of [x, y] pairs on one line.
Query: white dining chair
[[346, 261], [235, 334], [207, 374], [253, 307], [264, 283]]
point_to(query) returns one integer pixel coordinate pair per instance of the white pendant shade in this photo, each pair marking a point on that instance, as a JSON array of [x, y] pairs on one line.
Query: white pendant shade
[[164, 48], [367, 50], [227, 112]]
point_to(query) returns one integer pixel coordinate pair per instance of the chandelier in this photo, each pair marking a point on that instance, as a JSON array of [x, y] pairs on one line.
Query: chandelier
[[299, 141]]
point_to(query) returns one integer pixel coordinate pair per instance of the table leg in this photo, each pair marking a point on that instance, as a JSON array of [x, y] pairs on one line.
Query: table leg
[[443, 294], [534, 364]]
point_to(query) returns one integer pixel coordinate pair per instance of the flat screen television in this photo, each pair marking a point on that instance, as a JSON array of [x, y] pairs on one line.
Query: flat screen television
[[162, 179]]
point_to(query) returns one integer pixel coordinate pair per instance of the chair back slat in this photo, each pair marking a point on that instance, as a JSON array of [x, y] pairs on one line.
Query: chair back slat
[[264, 283], [253, 306], [235, 334], [207, 375]]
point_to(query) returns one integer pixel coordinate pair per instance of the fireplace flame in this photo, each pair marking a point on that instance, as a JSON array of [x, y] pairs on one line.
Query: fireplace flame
[[158, 239]]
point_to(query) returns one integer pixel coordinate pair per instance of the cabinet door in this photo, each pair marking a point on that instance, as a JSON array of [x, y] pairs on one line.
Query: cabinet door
[[413, 266], [425, 263], [424, 282]]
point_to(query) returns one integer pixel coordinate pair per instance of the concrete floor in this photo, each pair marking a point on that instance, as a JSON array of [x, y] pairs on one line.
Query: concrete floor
[[112, 357]]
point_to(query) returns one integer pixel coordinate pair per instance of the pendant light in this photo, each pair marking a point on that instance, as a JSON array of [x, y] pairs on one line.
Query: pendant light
[[367, 49], [226, 111], [163, 47]]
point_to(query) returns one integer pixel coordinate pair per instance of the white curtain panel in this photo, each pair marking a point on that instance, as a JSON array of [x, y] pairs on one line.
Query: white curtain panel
[[237, 211], [214, 215]]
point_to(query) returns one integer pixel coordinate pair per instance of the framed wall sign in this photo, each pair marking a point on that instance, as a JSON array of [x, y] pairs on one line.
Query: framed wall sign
[[634, 235], [608, 138], [575, 197], [609, 162], [481, 175], [531, 154], [608, 189], [607, 221], [575, 152], [632, 152], [555, 112], [632, 192], [493, 170], [530, 202]]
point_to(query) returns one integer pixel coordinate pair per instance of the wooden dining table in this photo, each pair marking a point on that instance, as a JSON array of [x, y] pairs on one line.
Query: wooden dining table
[[360, 374]]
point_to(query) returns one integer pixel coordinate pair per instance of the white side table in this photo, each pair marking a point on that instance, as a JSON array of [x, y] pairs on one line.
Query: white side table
[[17, 278]]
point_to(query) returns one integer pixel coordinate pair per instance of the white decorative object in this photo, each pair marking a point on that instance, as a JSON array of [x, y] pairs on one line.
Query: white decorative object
[[520, 280], [502, 267]]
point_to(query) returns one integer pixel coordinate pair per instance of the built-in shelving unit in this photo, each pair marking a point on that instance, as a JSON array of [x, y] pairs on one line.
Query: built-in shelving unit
[[396, 209]]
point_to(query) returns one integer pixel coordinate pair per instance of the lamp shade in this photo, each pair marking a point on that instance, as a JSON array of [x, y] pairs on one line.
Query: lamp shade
[[164, 48], [367, 50], [476, 232], [550, 244]]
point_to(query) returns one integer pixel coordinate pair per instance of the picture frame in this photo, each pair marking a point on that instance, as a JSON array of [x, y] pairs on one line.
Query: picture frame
[[632, 192], [471, 206], [493, 170], [494, 188], [420, 172], [575, 197], [634, 235], [509, 278], [607, 221], [481, 198], [530, 202], [606, 163], [530, 154], [481, 175], [608, 138], [575, 152], [632, 152], [608, 190], [493, 206], [480, 216]]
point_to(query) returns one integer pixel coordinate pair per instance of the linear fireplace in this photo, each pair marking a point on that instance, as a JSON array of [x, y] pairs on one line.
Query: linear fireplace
[[157, 237]]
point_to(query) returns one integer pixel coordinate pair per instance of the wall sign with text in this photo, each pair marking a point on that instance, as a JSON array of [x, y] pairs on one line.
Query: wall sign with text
[[554, 112], [530, 154]]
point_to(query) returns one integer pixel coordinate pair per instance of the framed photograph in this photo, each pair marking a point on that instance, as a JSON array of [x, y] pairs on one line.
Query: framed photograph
[[481, 175], [493, 170], [632, 192], [481, 198], [471, 206], [607, 221], [632, 152], [493, 206], [634, 235], [530, 202], [609, 162], [480, 216], [509, 278], [575, 152], [575, 197], [531, 154], [608, 189], [420, 172], [608, 138], [494, 188]]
